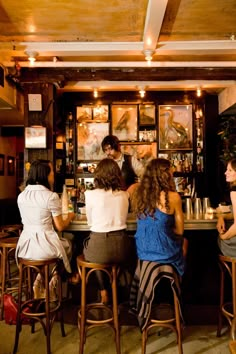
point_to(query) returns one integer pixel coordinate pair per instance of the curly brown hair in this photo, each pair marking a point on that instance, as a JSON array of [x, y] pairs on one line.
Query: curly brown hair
[[157, 177], [108, 175]]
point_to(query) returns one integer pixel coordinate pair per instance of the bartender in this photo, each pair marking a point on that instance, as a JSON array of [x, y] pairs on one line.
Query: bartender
[[131, 168]]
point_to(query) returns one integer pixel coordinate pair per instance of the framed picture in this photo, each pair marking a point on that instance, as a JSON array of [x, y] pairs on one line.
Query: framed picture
[[84, 113], [175, 124], [10, 165], [141, 151], [101, 113], [125, 121], [147, 135], [89, 138], [147, 114], [2, 160], [35, 137]]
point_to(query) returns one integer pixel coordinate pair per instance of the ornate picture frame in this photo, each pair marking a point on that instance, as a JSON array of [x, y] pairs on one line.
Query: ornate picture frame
[[125, 121], [175, 126]]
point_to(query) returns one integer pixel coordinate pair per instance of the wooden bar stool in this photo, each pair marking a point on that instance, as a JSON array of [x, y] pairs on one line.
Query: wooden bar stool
[[14, 229], [232, 346], [170, 319], [227, 309], [84, 320], [45, 309], [8, 279]]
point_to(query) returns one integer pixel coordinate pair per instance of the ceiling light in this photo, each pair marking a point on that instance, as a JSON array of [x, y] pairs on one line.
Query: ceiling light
[[31, 55], [199, 92], [142, 93], [148, 54], [95, 93]]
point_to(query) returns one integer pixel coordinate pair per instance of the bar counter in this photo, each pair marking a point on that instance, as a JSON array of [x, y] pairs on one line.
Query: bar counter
[[200, 284], [202, 222]]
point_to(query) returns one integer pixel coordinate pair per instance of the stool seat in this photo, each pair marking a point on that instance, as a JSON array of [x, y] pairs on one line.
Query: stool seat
[[232, 346], [45, 309], [146, 282], [97, 314], [8, 282], [14, 229], [4, 234], [227, 309]]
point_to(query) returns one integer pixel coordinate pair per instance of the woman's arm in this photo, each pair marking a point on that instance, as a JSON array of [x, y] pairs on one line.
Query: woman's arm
[[60, 223], [179, 215], [231, 232], [220, 224]]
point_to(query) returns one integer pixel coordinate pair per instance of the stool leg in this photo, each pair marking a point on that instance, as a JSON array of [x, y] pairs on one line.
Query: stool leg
[[115, 308], [3, 280], [47, 300], [144, 341], [82, 310], [18, 318], [178, 324], [222, 284], [233, 323], [61, 309]]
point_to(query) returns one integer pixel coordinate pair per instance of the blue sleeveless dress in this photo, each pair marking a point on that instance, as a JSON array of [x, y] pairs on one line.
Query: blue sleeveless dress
[[156, 241]]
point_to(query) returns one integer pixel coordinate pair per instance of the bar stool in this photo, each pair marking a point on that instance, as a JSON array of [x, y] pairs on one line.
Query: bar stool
[[232, 346], [4, 234], [170, 319], [227, 309], [14, 229], [8, 282], [43, 310], [84, 322]]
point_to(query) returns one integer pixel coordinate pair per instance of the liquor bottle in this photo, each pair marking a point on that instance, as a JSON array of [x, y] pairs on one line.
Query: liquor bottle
[[64, 202]]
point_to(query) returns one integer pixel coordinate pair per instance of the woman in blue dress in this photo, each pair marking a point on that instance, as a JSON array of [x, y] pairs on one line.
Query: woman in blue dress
[[160, 219]]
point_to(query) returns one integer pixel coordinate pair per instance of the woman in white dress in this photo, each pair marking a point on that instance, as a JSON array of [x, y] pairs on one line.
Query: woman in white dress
[[41, 214]]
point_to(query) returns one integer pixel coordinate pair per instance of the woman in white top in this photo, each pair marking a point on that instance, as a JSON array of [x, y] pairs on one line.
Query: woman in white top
[[40, 211], [107, 209]]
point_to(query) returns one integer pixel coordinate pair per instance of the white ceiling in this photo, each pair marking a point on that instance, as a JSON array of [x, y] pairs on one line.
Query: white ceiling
[[115, 34]]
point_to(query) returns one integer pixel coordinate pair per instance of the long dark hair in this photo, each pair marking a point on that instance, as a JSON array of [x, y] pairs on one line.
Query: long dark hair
[[233, 165], [157, 177], [108, 175], [38, 173]]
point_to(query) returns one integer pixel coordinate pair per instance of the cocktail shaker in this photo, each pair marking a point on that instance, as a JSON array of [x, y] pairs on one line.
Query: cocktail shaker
[[188, 206], [197, 206], [205, 205]]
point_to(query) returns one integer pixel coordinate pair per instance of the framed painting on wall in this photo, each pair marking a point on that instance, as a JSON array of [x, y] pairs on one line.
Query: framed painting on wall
[[84, 113], [101, 113], [35, 137], [2, 160], [125, 121], [175, 124], [141, 151], [147, 114], [89, 138]]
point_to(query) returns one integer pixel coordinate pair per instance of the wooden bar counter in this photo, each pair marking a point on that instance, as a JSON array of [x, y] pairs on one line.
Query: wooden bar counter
[[200, 283], [203, 222]]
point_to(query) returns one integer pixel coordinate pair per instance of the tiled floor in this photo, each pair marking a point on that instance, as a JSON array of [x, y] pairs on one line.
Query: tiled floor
[[197, 340]]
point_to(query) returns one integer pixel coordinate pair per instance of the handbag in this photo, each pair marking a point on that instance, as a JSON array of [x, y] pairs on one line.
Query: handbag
[[10, 310]]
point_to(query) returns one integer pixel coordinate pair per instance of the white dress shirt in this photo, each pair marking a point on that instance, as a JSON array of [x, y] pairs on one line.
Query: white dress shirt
[[106, 210]]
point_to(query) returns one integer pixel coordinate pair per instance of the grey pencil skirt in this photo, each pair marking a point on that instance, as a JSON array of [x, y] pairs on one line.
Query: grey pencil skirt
[[109, 247]]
